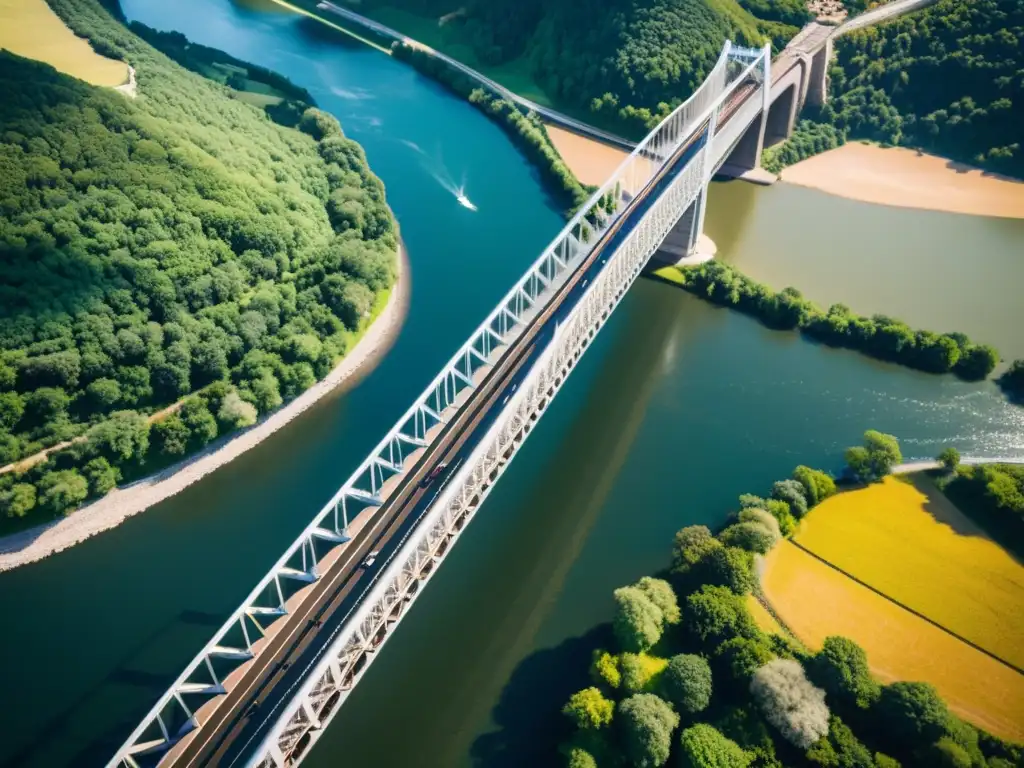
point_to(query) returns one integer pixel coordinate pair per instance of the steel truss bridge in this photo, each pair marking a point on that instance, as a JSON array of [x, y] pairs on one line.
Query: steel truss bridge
[[266, 686]]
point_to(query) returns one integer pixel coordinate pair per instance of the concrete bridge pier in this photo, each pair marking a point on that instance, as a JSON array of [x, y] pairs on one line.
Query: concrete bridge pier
[[686, 243], [817, 82]]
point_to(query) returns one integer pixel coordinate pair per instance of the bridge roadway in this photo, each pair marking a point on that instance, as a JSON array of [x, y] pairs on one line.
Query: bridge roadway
[[238, 718]]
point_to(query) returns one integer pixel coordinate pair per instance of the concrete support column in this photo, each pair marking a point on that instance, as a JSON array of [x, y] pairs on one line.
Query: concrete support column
[[817, 86]]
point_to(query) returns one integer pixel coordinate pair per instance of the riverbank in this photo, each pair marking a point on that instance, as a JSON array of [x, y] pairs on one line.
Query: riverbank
[[41, 541], [907, 178]]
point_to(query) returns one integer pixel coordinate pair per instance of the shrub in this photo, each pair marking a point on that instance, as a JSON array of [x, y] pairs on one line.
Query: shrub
[[876, 458], [818, 485], [884, 761], [170, 436], [949, 458], [62, 491], [913, 712], [18, 500], [686, 682], [841, 749], [750, 536], [702, 746], [100, 475], [762, 517], [948, 754], [589, 709], [645, 725], [791, 492], [123, 437], [1012, 381], [580, 758], [637, 621], [780, 511], [790, 702], [841, 668], [202, 427], [235, 413]]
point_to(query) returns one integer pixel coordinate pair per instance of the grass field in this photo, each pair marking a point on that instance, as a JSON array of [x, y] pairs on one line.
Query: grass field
[[30, 29], [905, 539], [816, 601]]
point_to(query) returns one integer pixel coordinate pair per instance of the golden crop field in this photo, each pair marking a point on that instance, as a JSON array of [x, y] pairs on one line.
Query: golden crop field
[[764, 620], [30, 29], [817, 601], [908, 541]]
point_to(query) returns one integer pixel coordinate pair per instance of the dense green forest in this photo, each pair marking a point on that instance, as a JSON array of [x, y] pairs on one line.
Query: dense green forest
[[692, 681], [159, 246], [628, 61], [948, 79]]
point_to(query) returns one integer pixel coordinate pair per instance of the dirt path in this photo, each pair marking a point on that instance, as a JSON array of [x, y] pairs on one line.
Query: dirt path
[[43, 540]]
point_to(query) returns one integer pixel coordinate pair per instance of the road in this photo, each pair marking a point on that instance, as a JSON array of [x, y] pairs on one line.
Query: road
[[236, 721], [551, 115]]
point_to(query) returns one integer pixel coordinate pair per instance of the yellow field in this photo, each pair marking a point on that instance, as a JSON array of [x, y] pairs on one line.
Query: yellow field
[[764, 620], [817, 601], [30, 29], [909, 542]]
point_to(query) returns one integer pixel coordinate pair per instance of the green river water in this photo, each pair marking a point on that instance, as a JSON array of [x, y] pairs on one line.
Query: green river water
[[676, 409]]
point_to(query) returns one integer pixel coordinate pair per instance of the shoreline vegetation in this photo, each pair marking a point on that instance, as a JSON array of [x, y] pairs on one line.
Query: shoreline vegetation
[[173, 268], [377, 336], [879, 336], [693, 677]]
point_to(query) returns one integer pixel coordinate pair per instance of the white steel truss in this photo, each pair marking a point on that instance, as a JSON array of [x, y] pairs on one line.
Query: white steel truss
[[346, 654]]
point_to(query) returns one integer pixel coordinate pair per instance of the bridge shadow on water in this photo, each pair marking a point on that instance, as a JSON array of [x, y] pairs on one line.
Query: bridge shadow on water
[[137, 679], [528, 713]]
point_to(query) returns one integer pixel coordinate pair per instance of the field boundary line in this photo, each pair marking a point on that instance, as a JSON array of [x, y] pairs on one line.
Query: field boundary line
[[907, 608]]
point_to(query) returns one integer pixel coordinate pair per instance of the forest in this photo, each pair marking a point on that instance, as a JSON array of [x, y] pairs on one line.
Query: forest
[[180, 243], [948, 79], [692, 680], [632, 61]]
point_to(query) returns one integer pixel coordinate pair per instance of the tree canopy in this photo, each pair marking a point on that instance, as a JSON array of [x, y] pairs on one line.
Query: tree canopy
[[152, 247]]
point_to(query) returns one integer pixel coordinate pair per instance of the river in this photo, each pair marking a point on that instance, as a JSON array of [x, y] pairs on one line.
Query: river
[[676, 408]]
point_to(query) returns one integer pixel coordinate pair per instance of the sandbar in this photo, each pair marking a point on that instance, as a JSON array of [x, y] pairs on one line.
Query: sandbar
[[34, 544], [909, 179]]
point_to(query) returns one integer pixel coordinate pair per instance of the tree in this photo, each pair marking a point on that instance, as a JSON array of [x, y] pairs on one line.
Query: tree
[[761, 517], [913, 712], [818, 485], [840, 749], [589, 709], [876, 458], [235, 413], [122, 437], [977, 361], [62, 491], [12, 406], [1012, 380], [645, 724], [638, 621], [702, 746], [660, 593], [640, 672], [45, 405], [790, 702], [792, 492], [730, 567], [580, 758], [949, 457], [170, 436], [18, 500], [201, 424], [686, 683], [103, 394], [948, 754], [715, 614], [841, 668], [738, 658], [691, 545], [102, 477], [751, 536], [604, 669]]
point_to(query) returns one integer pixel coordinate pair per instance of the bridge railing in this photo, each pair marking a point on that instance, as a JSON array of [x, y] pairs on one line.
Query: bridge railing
[[333, 674]]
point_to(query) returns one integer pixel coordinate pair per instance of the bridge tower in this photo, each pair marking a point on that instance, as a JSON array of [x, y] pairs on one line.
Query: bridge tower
[[734, 139]]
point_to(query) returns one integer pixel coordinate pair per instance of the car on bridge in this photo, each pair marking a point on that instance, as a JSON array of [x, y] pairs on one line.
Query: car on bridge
[[433, 474]]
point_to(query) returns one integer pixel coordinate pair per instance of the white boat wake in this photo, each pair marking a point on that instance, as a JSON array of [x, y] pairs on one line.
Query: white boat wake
[[435, 167]]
